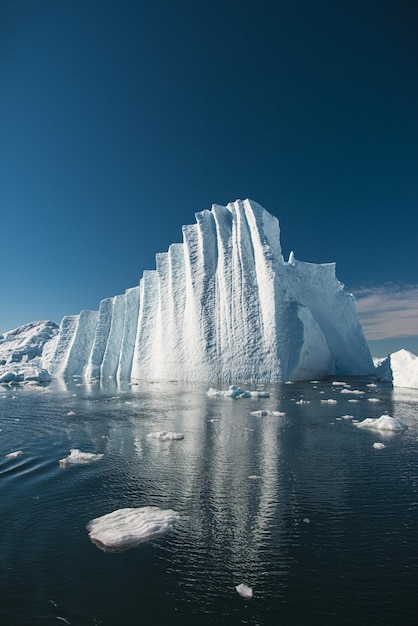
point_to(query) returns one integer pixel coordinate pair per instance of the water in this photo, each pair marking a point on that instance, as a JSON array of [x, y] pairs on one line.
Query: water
[[324, 531]]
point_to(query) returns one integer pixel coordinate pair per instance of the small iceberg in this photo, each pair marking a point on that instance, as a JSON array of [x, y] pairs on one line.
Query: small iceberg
[[244, 591], [236, 392], [329, 401], [164, 435], [77, 457], [379, 446], [126, 528], [384, 422]]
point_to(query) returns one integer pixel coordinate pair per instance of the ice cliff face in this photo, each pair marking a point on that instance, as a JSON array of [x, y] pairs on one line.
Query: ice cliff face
[[223, 305]]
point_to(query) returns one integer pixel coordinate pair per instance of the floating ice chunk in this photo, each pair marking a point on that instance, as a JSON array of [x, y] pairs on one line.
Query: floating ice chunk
[[266, 413], [70, 413], [302, 401], [354, 392], [236, 392], [379, 446], [164, 435], [254, 477], [373, 400], [244, 591], [125, 528], [338, 383], [306, 520], [77, 457], [14, 455], [385, 422], [329, 401], [347, 417], [371, 385], [353, 400]]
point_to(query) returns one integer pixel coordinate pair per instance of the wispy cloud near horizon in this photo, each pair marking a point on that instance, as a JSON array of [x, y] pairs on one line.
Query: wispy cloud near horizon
[[388, 311]]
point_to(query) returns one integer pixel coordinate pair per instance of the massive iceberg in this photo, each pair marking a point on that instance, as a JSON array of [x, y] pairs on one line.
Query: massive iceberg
[[224, 306]]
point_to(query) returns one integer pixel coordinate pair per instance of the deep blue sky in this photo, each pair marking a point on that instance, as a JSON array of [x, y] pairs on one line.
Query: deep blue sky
[[120, 119]]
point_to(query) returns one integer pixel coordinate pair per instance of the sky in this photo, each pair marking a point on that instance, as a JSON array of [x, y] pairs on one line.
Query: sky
[[121, 119]]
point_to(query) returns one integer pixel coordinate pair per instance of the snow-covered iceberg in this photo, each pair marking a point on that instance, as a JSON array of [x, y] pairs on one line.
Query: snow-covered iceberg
[[223, 306], [125, 528], [400, 368]]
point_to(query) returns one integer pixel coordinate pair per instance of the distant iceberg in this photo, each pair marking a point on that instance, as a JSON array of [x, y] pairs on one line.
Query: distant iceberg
[[400, 368]]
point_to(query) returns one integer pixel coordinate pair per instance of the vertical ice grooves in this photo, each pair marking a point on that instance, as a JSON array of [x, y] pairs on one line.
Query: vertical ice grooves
[[100, 339], [130, 322]]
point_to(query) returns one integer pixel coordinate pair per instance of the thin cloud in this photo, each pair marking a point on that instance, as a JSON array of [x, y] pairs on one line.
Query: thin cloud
[[387, 312]]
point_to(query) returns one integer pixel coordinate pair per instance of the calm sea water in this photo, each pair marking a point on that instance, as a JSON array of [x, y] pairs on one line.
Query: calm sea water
[[302, 508]]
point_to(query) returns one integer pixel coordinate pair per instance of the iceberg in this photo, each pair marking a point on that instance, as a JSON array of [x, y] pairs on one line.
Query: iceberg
[[21, 352], [126, 528], [222, 306], [400, 368], [384, 422]]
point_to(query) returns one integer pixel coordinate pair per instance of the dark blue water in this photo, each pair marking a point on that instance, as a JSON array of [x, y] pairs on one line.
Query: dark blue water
[[325, 531]]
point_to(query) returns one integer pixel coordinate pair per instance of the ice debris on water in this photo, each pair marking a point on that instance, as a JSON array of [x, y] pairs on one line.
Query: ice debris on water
[[14, 455], [236, 392], [379, 446], [244, 591], [329, 401], [266, 413], [125, 528], [77, 457], [164, 435], [384, 422]]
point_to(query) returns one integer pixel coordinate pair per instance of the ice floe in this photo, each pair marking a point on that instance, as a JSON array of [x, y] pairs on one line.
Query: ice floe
[[76, 457], [384, 422], [244, 591], [266, 413], [125, 528], [164, 435], [379, 446], [236, 392], [14, 455], [329, 401]]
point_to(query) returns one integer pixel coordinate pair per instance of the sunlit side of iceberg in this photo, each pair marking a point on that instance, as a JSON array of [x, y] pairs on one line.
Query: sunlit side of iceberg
[[222, 305]]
